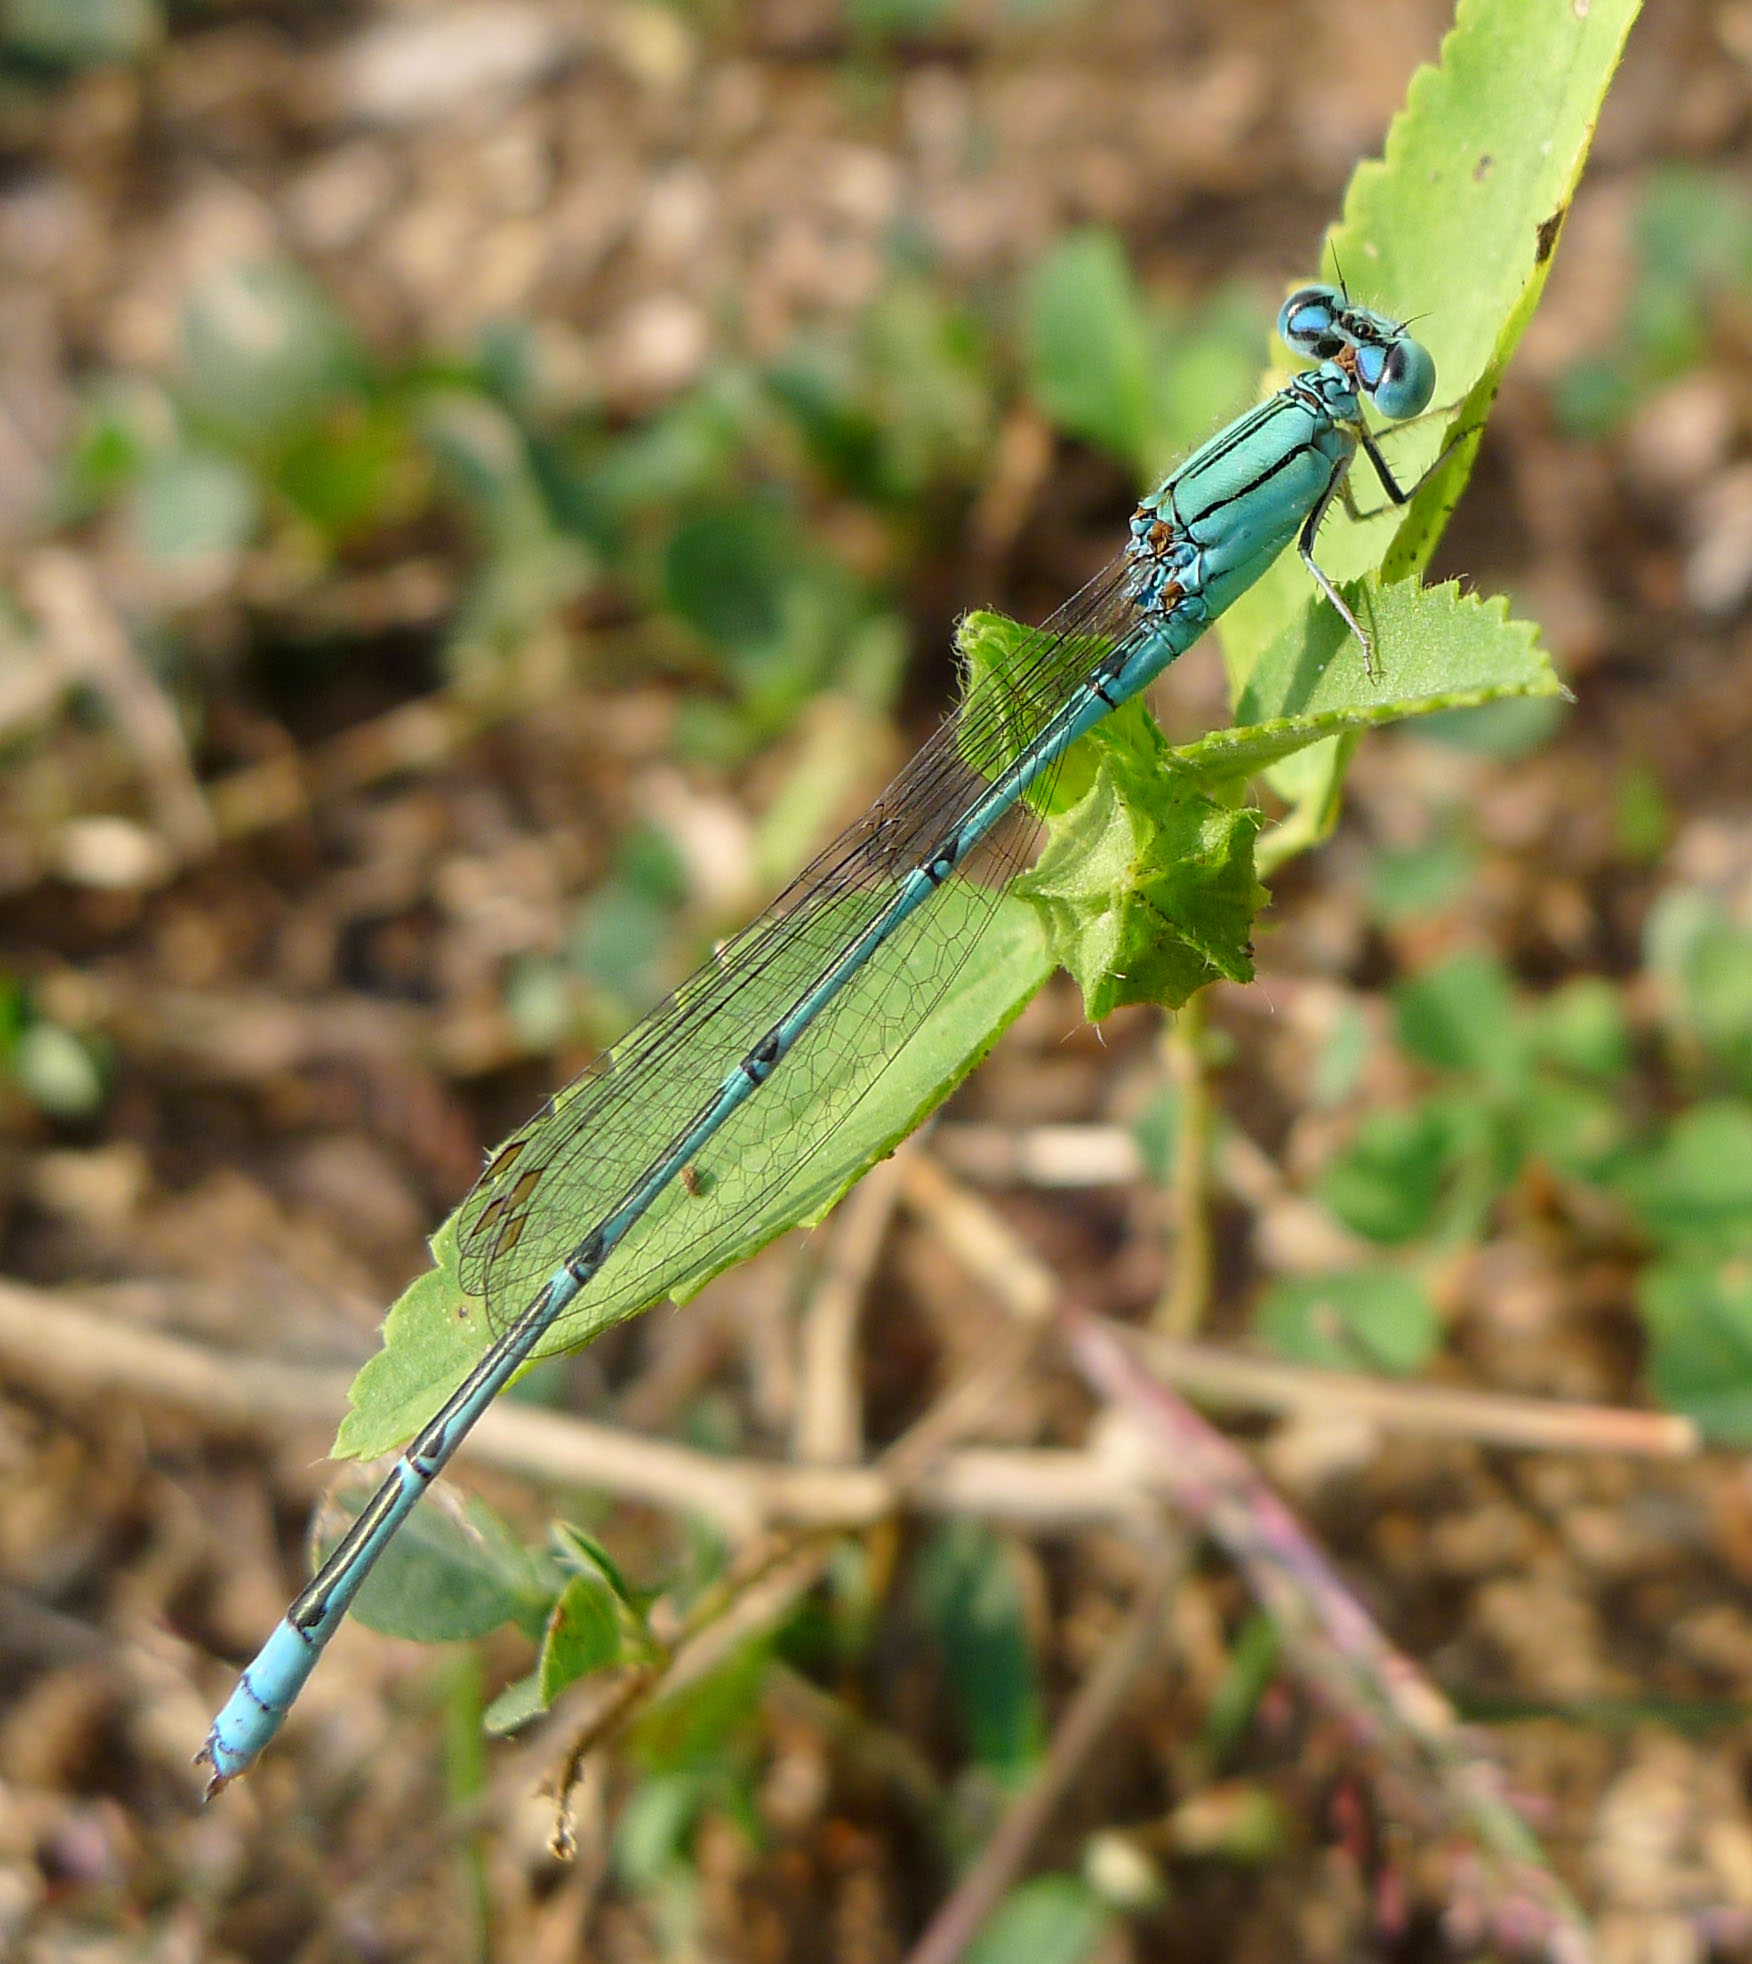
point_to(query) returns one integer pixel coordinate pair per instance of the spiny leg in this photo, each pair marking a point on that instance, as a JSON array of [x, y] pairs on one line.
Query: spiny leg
[[1389, 483], [1305, 551]]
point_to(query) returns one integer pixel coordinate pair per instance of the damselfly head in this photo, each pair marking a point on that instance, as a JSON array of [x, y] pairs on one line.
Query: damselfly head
[[1396, 373]]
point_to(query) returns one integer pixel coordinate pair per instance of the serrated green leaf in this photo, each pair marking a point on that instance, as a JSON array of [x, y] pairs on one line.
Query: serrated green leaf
[[1477, 173], [1147, 900], [995, 651], [1440, 649]]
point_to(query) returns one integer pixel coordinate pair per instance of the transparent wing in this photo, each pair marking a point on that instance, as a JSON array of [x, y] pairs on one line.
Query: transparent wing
[[578, 1159]]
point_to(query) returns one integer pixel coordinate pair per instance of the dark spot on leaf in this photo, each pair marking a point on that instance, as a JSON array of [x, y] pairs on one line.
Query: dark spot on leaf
[[1548, 232], [1483, 168]]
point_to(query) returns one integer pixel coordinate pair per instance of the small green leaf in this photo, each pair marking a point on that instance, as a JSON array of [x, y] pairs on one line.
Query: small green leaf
[[518, 1705], [1696, 1185], [1578, 1128], [1414, 882], [1460, 1016], [1051, 1919], [1580, 1027], [1089, 345], [58, 1071], [352, 469], [1205, 370], [712, 1719], [583, 1635], [724, 573], [899, 19], [1156, 1128], [1253, 1665], [191, 505], [1343, 1056], [485, 463], [1371, 1319], [1704, 960], [1641, 818], [652, 1833], [967, 1587], [1699, 1317], [619, 940], [584, 1554], [1387, 1184]]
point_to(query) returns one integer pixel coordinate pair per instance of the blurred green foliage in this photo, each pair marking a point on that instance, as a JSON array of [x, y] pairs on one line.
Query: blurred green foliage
[[1657, 1134], [281, 454], [64, 34], [1692, 274], [1145, 383], [1051, 1919], [966, 1586], [62, 1072]]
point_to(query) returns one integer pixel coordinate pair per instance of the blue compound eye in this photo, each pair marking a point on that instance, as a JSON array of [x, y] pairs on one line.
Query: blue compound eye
[[1407, 380], [1310, 322]]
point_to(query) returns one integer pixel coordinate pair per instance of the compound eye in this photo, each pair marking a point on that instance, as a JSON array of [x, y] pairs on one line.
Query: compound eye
[[1310, 321], [1407, 381]]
